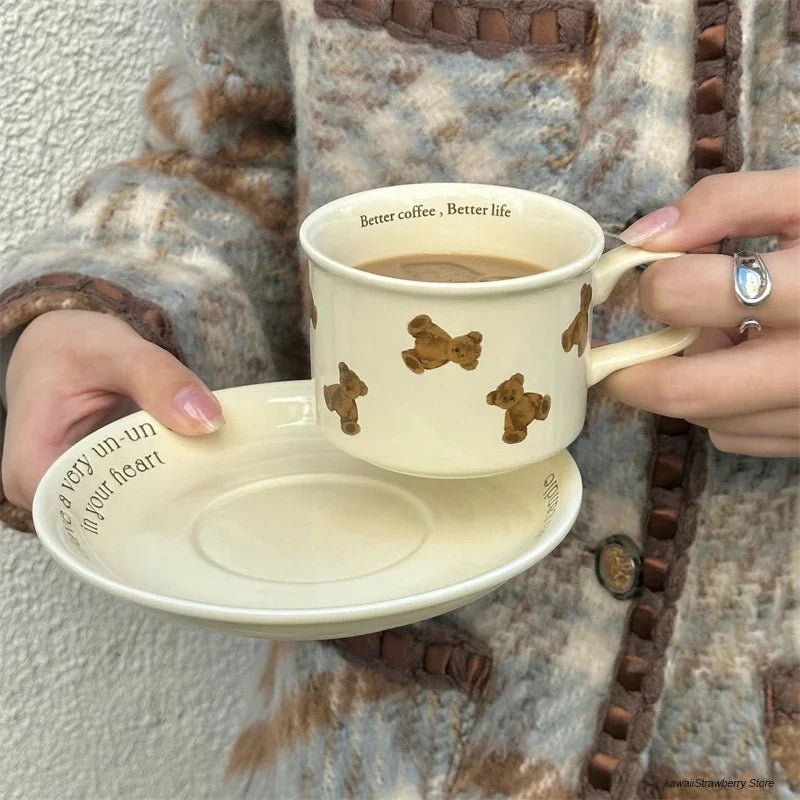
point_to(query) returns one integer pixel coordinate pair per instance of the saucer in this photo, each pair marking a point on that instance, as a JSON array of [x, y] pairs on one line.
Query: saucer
[[265, 529]]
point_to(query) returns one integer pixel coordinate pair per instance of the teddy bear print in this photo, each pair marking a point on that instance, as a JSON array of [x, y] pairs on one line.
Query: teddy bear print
[[341, 398], [309, 303], [521, 407], [434, 347], [578, 331]]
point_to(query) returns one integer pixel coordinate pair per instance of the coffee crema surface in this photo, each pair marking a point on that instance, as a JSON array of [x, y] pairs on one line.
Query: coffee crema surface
[[450, 268]]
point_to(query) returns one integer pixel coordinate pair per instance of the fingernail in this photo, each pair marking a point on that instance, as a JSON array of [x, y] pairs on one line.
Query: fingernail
[[201, 407], [650, 225]]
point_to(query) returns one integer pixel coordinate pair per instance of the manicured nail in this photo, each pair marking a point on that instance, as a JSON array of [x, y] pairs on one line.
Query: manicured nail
[[201, 407], [650, 225]]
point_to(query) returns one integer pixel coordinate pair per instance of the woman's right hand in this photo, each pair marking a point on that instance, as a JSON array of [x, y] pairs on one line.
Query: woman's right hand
[[746, 393], [72, 372]]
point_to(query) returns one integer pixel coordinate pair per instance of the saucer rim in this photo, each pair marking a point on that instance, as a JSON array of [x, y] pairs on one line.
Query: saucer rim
[[472, 586]]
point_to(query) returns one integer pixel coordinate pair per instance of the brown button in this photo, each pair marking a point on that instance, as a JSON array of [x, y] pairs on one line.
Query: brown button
[[493, 26], [544, 27], [618, 566], [711, 43]]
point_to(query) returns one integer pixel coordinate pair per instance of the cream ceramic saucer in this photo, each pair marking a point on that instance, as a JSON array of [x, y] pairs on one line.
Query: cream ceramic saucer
[[265, 529]]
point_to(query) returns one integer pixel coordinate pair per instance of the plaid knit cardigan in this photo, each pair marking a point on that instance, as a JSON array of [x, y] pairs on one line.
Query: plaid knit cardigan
[[549, 687]]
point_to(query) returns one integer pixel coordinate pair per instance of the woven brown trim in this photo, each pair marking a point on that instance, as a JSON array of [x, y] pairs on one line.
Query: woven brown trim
[[678, 474], [715, 101], [429, 653], [782, 694], [15, 517], [26, 300], [544, 27], [625, 724], [782, 704], [794, 20]]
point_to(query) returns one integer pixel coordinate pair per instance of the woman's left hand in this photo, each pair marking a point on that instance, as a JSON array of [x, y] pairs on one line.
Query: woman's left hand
[[746, 392]]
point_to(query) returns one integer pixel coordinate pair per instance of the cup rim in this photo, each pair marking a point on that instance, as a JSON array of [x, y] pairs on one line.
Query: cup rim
[[511, 285]]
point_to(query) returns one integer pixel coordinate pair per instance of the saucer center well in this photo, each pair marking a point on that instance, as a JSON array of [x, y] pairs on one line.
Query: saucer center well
[[311, 528]]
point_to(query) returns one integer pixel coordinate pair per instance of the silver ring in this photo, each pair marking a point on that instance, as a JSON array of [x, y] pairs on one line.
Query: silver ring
[[751, 280], [748, 324]]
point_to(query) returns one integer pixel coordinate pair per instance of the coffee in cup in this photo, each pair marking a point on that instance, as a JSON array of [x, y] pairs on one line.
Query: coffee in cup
[[450, 267]]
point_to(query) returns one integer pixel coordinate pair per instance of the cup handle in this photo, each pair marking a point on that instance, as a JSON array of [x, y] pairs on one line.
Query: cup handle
[[611, 357]]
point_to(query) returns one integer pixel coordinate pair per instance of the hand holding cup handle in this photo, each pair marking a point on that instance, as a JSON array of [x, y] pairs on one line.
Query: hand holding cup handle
[[612, 357]]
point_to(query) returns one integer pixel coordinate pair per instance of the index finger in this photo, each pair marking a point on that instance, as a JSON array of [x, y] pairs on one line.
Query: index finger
[[726, 205], [698, 291]]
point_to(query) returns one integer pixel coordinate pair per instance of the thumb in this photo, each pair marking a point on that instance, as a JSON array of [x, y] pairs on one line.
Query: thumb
[[158, 383]]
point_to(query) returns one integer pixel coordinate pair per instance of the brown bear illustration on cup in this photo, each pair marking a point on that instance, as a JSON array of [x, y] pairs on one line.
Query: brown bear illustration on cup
[[434, 347], [313, 314], [341, 398], [578, 331], [521, 407]]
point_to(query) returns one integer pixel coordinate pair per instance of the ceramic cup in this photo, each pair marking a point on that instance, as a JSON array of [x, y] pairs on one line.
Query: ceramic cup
[[458, 380]]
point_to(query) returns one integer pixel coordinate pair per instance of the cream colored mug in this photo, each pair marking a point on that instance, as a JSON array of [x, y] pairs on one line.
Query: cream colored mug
[[459, 380]]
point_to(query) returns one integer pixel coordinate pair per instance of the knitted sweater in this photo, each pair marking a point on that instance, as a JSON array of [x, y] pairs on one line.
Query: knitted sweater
[[549, 687]]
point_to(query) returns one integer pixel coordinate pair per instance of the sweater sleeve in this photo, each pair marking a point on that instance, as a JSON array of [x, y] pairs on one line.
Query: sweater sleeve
[[193, 242]]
